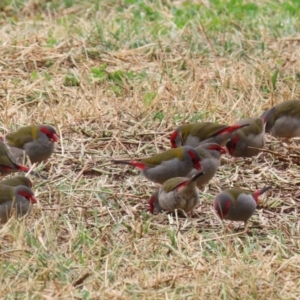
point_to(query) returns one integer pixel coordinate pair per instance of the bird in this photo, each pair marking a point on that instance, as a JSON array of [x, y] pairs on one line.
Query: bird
[[18, 199], [251, 136], [166, 165], [36, 140], [210, 154], [176, 193], [8, 163], [283, 120], [237, 204], [17, 180], [195, 134]]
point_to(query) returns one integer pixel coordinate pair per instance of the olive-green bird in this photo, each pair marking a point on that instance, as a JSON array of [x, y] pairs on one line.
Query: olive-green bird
[[237, 204], [36, 141], [17, 180], [176, 193], [210, 155], [168, 164], [196, 134], [16, 200], [283, 120], [250, 136]]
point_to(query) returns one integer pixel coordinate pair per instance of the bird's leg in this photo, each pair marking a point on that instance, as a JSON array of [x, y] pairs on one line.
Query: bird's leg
[[246, 227], [191, 213], [227, 228], [230, 225]]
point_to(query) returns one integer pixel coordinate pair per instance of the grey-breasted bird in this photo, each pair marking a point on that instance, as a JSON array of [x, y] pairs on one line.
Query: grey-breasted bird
[[244, 138], [18, 199], [237, 204], [36, 141], [166, 165], [283, 120], [176, 193], [210, 155], [195, 134]]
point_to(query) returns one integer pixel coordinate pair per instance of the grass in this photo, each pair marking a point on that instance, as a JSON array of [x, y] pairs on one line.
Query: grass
[[115, 78]]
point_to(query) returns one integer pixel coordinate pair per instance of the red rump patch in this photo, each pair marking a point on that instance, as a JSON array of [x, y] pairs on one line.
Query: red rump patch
[[256, 194], [138, 165], [173, 138], [6, 168], [195, 160], [229, 129], [22, 168], [185, 183]]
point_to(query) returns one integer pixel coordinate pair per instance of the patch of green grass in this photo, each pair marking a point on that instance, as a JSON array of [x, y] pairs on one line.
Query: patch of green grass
[[71, 80]]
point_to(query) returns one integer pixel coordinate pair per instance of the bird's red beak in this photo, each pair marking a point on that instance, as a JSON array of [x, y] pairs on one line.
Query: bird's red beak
[[54, 137], [33, 199], [223, 150]]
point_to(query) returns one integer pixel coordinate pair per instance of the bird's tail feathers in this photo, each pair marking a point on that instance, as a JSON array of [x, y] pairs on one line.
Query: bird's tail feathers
[[195, 177]]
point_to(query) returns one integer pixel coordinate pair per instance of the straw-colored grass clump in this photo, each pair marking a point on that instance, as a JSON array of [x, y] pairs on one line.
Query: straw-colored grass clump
[[115, 78]]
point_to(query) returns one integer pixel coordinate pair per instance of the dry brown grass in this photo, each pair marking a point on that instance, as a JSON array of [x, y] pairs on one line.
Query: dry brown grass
[[90, 236]]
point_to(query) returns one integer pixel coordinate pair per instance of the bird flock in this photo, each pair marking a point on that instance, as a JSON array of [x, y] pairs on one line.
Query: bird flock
[[192, 161]]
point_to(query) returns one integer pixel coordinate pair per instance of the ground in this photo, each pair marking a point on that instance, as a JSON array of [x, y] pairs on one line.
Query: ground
[[115, 78]]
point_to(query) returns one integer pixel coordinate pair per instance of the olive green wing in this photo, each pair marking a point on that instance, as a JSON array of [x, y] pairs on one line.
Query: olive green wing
[[6, 157], [22, 136], [288, 108], [236, 192], [203, 154], [6, 193], [17, 180], [171, 184], [255, 126], [206, 129], [164, 156]]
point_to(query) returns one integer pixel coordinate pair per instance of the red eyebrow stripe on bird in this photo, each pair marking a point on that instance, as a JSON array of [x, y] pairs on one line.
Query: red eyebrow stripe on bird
[[52, 135], [225, 211], [30, 197], [151, 203], [192, 154], [195, 160], [232, 144]]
